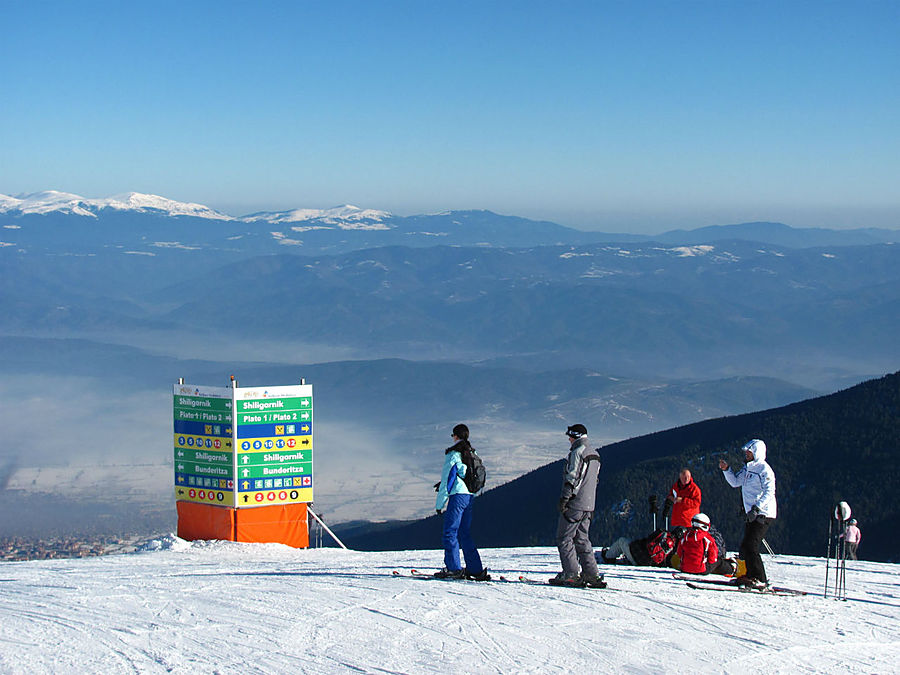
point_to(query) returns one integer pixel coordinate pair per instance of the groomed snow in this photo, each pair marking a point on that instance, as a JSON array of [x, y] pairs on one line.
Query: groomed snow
[[216, 607]]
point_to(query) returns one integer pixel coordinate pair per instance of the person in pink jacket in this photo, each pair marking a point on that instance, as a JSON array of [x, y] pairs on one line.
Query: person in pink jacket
[[852, 537]]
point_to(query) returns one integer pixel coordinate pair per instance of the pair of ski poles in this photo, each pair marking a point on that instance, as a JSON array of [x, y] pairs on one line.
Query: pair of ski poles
[[841, 515]]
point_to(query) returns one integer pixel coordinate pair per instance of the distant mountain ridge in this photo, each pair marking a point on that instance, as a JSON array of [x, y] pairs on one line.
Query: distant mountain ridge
[[645, 310], [58, 222]]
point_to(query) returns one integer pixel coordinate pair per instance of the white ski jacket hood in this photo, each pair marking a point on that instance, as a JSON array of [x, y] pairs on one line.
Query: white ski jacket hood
[[757, 448], [756, 480]]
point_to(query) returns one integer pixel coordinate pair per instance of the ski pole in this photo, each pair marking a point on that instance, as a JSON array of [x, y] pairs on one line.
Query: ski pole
[[828, 555], [653, 510], [843, 558]]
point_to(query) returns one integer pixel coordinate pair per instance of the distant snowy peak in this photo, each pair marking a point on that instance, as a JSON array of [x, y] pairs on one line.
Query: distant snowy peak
[[135, 201], [346, 217], [49, 201], [52, 201]]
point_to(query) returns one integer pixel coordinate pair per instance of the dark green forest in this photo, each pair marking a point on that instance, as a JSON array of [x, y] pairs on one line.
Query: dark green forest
[[840, 447]]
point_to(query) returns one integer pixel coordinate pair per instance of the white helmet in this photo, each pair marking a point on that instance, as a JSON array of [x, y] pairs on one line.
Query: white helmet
[[842, 511], [701, 521]]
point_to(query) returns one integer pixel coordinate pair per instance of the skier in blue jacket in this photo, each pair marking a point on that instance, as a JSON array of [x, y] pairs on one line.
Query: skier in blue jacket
[[456, 498]]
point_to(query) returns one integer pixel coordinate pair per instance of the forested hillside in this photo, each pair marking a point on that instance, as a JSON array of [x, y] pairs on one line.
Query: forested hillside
[[843, 446]]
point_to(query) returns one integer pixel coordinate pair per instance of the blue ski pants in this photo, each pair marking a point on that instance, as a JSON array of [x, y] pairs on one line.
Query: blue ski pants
[[457, 525]]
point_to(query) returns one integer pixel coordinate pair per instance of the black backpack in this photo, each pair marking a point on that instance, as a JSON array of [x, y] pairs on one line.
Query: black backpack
[[475, 473]]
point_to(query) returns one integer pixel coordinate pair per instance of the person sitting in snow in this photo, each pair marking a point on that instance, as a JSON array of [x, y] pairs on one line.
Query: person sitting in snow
[[654, 550], [697, 551]]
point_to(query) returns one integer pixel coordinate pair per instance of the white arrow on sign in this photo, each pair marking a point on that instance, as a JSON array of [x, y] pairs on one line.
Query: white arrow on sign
[[181, 453], [245, 459], [181, 467], [305, 403], [304, 415], [246, 472]]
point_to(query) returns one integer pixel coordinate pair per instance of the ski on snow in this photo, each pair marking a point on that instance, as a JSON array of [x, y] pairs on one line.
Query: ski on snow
[[729, 585], [519, 579], [419, 574]]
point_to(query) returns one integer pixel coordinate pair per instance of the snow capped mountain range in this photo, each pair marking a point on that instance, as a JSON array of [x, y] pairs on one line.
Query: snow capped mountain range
[[345, 217], [73, 224], [52, 201]]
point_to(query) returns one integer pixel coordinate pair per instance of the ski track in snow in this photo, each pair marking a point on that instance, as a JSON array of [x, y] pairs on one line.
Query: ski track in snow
[[217, 607]]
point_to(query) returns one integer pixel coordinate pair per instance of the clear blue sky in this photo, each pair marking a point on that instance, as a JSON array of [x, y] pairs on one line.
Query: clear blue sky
[[620, 116]]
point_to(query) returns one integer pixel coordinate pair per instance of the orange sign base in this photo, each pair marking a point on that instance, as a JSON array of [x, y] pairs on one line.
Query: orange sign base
[[281, 524], [278, 524]]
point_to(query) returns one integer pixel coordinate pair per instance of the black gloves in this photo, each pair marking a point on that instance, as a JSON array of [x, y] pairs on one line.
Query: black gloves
[[754, 514], [438, 511], [563, 503], [437, 486]]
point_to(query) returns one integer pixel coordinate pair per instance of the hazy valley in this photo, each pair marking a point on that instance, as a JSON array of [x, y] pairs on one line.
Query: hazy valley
[[105, 307]]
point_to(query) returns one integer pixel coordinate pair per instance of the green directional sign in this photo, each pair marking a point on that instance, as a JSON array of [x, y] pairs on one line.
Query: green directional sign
[[203, 444], [274, 445]]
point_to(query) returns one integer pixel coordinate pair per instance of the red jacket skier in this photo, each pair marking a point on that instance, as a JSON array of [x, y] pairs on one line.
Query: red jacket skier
[[697, 549], [685, 498]]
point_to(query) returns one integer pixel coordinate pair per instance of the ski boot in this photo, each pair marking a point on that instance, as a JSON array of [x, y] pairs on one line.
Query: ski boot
[[481, 576], [570, 580], [592, 580]]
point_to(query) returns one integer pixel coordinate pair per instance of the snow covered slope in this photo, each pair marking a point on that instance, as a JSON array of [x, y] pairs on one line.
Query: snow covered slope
[[265, 608]]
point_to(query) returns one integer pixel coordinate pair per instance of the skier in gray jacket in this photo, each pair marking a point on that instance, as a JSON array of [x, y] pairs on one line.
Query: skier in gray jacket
[[576, 507]]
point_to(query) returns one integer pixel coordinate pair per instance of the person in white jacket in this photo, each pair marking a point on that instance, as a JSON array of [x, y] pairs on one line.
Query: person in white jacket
[[757, 482]]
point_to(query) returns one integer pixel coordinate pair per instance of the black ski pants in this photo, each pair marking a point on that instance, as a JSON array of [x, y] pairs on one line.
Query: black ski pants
[[753, 535]]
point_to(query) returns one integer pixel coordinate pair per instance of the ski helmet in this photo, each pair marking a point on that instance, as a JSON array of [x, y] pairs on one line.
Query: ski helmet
[[701, 521], [576, 431], [842, 511]]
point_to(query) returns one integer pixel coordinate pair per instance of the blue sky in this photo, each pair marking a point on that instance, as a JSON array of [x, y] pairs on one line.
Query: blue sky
[[619, 116]]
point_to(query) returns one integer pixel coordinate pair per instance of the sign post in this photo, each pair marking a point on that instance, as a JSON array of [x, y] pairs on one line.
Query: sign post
[[244, 462]]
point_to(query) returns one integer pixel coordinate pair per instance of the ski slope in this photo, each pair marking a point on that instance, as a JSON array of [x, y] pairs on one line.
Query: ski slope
[[216, 607]]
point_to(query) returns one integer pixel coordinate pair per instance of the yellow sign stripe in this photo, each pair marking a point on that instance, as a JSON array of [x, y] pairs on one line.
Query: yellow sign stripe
[[275, 496]]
